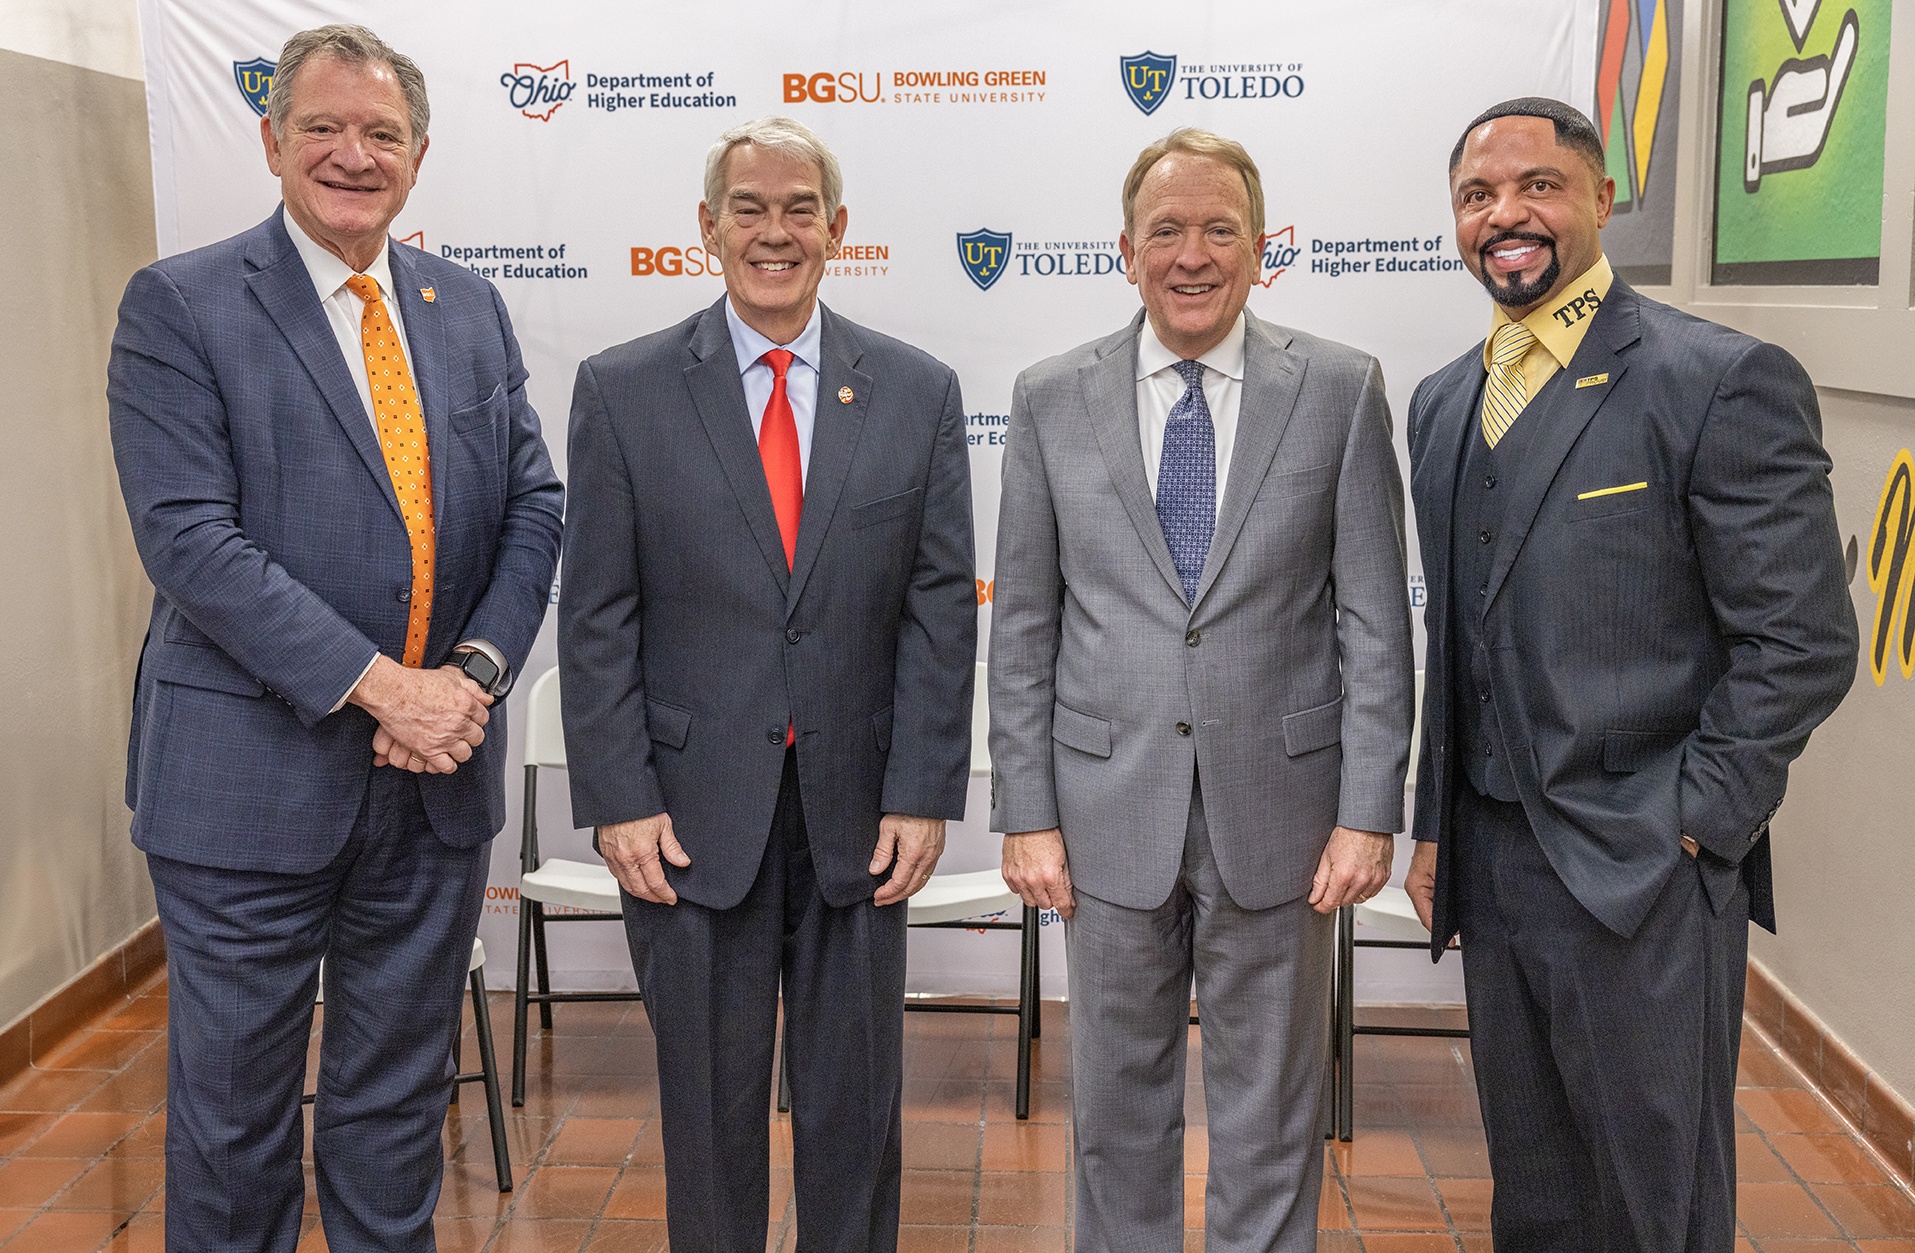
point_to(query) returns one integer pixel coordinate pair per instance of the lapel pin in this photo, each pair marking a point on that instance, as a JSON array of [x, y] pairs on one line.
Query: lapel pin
[[844, 396], [429, 294], [1591, 380]]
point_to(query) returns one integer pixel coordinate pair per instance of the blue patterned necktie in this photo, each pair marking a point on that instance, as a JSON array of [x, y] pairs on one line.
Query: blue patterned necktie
[[1187, 480]]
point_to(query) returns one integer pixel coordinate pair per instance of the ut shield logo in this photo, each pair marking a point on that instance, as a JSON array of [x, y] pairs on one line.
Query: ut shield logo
[[1147, 79], [255, 79], [984, 254]]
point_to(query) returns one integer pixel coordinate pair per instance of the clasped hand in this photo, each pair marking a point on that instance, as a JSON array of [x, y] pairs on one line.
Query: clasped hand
[[429, 720]]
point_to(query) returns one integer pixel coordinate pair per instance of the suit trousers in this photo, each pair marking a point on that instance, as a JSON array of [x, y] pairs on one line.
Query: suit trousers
[[1263, 992], [711, 979], [393, 915], [1605, 1066]]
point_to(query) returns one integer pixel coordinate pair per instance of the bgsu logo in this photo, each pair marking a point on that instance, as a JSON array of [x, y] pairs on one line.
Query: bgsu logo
[[849, 87], [537, 91], [672, 262]]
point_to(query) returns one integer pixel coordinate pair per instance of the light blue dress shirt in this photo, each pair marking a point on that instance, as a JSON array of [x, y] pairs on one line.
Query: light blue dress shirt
[[801, 377]]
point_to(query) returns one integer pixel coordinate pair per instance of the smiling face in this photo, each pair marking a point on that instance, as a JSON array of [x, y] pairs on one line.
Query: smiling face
[[347, 159], [1193, 251], [773, 238], [1529, 212]]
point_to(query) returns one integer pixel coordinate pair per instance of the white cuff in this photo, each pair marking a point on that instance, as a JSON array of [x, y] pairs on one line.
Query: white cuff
[[341, 703]]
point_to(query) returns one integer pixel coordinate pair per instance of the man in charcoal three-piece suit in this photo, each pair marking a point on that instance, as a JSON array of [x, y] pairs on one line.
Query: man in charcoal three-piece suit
[[1637, 615], [767, 634], [351, 523]]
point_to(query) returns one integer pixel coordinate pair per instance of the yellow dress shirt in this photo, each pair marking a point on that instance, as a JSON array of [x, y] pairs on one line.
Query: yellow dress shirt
[[1558, 326]]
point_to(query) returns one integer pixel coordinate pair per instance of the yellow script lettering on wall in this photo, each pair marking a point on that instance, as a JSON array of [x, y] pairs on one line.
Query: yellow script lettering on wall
[[1888, 571]]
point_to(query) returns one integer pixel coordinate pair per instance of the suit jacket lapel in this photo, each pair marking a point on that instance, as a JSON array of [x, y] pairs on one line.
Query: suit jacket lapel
[[1272, 380], [1561, 420], [425, 339], [719, 394], [1110, 394], [284, 289], [1452, 423], [834, 437]]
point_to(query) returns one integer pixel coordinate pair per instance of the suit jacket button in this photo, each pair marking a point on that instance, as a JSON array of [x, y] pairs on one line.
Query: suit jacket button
[[405, 594], [776, 735], [1183, 728], [1483, 537], [1193, 638], [792, 636]]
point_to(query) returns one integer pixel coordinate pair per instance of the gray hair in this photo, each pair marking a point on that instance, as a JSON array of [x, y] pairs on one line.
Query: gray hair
[[778, 134], [355, 45]]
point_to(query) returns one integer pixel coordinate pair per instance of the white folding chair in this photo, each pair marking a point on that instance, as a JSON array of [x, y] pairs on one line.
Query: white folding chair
[[582, 891], [960, 900], [1389, 921], [969, 902]]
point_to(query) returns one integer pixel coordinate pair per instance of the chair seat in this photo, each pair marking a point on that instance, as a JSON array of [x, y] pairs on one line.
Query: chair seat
[[581, 885], [1393, 914], [955, 897]]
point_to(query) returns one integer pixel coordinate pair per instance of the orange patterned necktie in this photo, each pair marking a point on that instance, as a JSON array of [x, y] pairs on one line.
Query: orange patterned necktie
[[402, 438]]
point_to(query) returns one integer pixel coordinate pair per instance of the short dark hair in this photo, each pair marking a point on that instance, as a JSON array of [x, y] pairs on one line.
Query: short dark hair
[[1574, 130]]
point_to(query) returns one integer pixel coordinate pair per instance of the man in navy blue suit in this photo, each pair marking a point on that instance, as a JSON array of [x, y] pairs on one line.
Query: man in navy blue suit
[[343, 500]]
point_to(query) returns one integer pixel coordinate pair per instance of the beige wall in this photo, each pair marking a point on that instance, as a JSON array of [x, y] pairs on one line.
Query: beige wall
[[76, 215], [1845, 839]]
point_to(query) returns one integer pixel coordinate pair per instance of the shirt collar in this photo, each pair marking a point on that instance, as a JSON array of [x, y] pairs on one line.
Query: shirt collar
[[1226, 358], [1561, 335], [329, 273], [750, 345]]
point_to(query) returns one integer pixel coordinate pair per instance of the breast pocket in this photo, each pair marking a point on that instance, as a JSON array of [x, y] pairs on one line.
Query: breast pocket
[[1628, 494], [482, 416], [872, 512], [1294, 483]]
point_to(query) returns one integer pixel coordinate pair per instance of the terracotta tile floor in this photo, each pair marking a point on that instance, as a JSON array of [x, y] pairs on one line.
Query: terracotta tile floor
[[81, 1139]]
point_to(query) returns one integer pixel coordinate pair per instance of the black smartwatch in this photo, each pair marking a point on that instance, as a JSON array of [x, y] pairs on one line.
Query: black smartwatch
[[484, 665]]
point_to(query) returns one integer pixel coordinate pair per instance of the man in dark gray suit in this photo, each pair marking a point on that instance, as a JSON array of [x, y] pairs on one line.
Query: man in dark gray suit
[[1637, 615], [1201, 692], [767, 635]]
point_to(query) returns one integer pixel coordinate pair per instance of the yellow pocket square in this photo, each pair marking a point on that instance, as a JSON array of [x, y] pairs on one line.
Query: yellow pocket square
[[1591, 380], [1611, 491]]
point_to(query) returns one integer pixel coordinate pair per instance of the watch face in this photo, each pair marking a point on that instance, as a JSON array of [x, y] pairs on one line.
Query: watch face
[[480, 668]]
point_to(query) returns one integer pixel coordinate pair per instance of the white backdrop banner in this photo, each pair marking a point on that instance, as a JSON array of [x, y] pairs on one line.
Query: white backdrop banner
[[984, 144]]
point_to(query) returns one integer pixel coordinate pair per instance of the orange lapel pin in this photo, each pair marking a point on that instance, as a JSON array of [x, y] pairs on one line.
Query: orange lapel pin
[[429, 294], [844, 396]]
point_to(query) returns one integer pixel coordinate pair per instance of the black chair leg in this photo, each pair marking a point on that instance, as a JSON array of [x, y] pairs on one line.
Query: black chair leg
[[1026, 1011], [545, 973], [1037, 993], [489, 1067], [1346, 1023], [458, 1058], [521, 1007]]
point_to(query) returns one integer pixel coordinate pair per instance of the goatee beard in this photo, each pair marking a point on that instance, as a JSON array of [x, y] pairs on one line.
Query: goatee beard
[[1516, 294]]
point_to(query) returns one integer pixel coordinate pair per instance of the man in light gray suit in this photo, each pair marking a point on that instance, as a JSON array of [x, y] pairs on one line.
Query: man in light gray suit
[[1201, 688]]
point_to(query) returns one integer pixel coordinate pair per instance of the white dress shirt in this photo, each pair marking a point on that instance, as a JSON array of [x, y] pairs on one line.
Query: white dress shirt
[[1159, 387], [801, 377], [344, 310], [343, 313]]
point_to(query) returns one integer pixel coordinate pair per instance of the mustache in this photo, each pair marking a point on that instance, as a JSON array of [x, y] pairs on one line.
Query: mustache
[[1497, 241]]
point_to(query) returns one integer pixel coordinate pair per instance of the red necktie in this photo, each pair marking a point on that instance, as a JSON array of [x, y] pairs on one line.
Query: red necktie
[[778, 446]]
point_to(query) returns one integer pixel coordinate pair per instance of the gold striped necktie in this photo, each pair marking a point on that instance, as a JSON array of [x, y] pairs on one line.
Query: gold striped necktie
[[1507, 391], [402, 438]]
